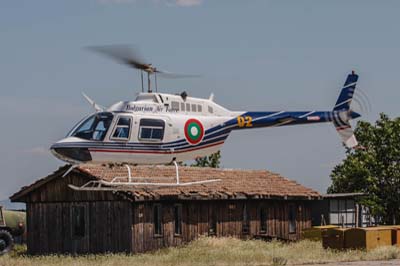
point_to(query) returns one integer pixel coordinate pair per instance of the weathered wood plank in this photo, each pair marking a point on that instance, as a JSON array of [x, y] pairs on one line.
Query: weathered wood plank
[[123, 226]]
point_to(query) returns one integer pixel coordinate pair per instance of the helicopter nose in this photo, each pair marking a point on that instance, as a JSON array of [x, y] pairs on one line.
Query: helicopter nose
[[71, 154]]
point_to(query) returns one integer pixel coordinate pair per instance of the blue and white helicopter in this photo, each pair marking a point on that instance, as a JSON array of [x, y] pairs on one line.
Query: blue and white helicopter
[[161, 128]]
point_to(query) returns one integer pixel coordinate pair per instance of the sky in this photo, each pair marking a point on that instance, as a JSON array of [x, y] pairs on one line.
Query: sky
[[253, 55]]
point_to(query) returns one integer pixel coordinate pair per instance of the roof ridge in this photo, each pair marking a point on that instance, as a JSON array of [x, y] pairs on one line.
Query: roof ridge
[[110, 166]]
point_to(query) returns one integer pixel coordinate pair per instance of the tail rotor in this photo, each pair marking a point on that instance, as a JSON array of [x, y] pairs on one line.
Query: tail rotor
[[342, 114]]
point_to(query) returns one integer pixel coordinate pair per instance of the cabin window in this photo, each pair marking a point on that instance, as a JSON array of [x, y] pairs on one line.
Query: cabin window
[[182, 106], [246, 220], [342, 212], [95, 127], [122, 129], [210, 110], [194, 108], [157, 219], [78, 221], [175, 106], [151, 129], [292, 218], [263, 220], [178, 219], [212, 222], [199, 108], [188, 107]]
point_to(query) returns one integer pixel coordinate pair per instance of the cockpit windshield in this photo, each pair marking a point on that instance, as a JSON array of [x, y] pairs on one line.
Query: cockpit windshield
[[94, 128]]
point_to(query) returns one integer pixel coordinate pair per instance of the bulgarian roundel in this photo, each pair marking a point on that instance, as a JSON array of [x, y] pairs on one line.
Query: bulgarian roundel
[[194, 131]]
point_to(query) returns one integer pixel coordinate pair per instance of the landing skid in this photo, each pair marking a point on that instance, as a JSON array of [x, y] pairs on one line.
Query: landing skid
[[126, 183]]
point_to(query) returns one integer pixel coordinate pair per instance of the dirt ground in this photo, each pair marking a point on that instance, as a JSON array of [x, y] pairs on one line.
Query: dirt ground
[[362, 263]]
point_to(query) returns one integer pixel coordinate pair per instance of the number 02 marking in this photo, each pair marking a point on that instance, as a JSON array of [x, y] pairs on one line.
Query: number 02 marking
[[245, 121]]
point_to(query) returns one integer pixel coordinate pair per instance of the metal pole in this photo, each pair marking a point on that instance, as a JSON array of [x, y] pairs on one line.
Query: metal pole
[[357, 217], [177, 173], [155, 79], [148, 80], [129, 173]]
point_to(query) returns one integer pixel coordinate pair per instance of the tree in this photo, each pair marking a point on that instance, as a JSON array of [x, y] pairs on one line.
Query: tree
[[374, 170], [209, 161]]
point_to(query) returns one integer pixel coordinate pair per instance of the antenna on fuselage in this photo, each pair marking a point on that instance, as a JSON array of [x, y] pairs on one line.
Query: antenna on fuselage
[[141, 77], [128, 55], [155, 81]]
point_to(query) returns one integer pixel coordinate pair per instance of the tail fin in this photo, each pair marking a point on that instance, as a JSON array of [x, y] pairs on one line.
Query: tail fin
[[346, 95], [342, 113]]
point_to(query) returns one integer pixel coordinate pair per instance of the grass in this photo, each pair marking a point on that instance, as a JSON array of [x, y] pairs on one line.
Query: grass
[[212, 251]]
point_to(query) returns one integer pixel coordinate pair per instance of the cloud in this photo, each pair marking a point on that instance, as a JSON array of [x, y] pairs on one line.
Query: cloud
[[188, 2], [116, 1], [329, 165], [37, 151], [180, 3], [43, 107]]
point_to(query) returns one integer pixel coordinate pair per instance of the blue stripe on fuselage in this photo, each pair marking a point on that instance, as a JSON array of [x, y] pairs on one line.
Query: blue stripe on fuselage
[[129, 146], [267, 119]]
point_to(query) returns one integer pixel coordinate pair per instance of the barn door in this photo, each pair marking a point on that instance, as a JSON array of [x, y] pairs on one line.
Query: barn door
[[79, 222]]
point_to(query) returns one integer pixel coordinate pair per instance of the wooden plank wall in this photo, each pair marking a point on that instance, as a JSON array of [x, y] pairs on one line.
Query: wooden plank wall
[[116, 224], [229, 215], [57, 190], [123, 226], [108, 228]]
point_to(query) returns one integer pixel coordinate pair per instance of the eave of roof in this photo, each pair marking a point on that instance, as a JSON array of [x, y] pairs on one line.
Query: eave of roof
[[343, 195]]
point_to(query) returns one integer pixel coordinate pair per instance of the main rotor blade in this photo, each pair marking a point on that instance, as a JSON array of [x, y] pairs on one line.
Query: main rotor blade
[[129, 55], [125, 54], [166, 74], [97, 107]]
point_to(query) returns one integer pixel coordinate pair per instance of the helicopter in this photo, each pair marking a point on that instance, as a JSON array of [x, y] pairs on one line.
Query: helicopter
[[162, 128]]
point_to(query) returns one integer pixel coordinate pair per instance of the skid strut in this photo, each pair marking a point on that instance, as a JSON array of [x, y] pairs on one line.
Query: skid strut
[[123, 183]]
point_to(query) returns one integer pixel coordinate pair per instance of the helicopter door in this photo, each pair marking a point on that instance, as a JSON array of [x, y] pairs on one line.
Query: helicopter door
[[122, 129]]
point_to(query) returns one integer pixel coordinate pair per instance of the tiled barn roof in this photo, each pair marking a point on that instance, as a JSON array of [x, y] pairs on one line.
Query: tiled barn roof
[[234, 184]]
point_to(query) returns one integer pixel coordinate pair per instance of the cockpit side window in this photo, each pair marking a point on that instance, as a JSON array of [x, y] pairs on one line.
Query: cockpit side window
[[95, 127], [122, 129], [151, 129]]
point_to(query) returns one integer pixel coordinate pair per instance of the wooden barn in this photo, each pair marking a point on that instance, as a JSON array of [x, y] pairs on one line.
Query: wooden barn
[[244, 204]]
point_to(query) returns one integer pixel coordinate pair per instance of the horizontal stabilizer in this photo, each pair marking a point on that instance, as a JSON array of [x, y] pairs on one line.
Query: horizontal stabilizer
[[348, 137], [343, 127]]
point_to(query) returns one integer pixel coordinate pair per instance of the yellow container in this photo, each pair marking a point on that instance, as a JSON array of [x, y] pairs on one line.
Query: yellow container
[[395, 234], [368, 238], [334, 238], [315, 233]]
